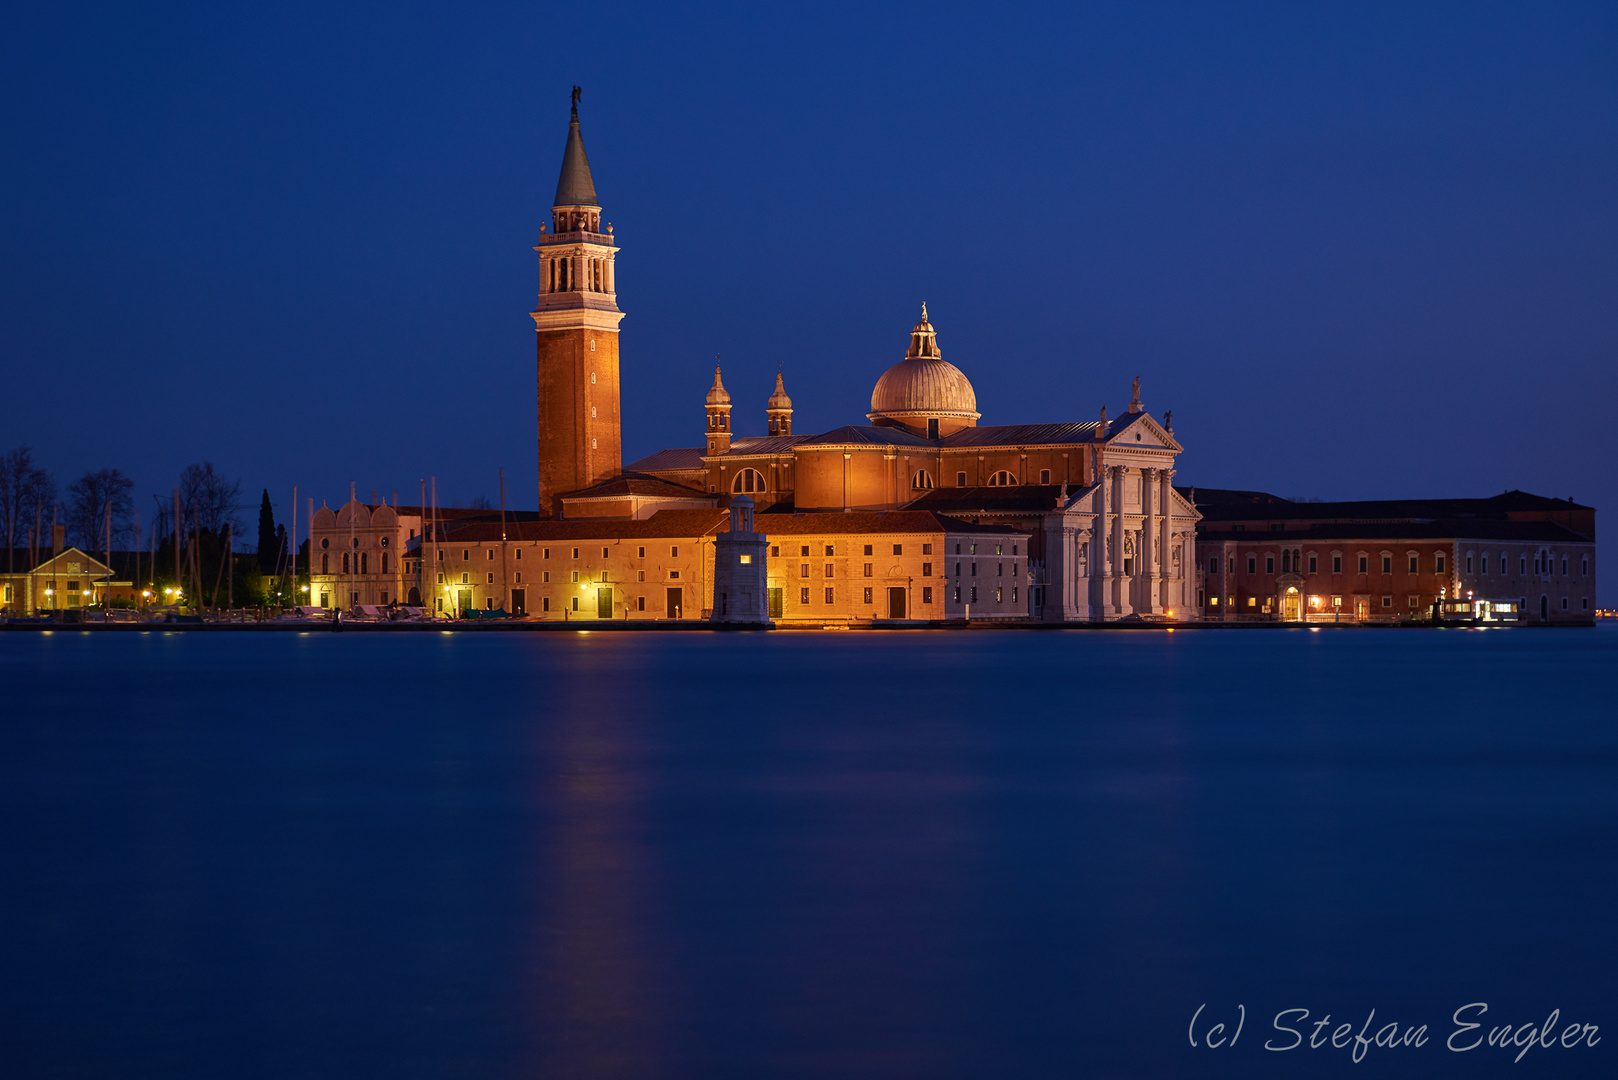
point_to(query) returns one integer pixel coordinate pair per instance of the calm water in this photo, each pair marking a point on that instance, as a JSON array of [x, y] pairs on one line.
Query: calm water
[[800, 855]]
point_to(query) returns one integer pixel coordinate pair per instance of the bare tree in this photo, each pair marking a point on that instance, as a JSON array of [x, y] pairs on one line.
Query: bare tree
[[87, 499], [24, 487], [208, 499]]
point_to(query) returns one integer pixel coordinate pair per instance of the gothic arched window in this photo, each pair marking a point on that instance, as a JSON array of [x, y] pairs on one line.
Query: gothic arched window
[[1002, 479], [922, 480], [748, 480]]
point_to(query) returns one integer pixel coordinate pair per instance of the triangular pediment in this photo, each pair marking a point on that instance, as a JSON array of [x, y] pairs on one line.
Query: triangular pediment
[[1152, 435], [88, 564]]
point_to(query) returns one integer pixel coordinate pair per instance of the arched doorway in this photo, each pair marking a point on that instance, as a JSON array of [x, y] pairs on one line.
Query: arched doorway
[[1290, 604], [415, 597]]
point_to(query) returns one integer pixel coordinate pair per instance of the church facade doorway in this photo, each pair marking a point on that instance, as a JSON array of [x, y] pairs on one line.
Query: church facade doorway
[[896, 602]]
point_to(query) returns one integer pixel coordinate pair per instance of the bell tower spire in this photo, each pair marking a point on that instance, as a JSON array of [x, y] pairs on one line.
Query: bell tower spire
[[580, 436], [718, 416]]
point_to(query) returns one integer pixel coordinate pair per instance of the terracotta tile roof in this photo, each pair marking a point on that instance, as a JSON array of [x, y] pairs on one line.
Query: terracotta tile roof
[[685, 457], [631, 483], [857, 435], [835, 523], [664, 523], [1023, 434], [1442, 529], [1027, 498]]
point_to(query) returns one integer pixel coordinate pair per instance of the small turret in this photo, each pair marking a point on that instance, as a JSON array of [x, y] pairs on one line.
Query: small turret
[[718, 416], [779, 409]]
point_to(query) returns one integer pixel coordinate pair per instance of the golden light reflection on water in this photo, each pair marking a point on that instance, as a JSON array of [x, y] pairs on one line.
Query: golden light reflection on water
[[595, 969]]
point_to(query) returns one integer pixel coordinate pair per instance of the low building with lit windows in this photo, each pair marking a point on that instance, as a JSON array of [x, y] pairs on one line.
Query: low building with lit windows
[[1263, 558], [820, 568]]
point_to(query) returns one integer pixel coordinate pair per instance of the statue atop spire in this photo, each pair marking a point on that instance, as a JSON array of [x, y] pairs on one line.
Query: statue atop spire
[[1134, 390], [577, 93]]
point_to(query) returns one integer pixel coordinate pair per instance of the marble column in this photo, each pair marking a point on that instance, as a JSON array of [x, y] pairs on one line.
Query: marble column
[[1150, 568], [1120, 598], [1103, 569], [1165, 502]]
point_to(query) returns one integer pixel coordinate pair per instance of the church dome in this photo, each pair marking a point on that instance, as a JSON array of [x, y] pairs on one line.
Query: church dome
[[923, 384]]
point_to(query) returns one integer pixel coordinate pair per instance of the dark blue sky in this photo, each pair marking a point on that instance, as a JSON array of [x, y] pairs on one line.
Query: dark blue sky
[[1359, 250]]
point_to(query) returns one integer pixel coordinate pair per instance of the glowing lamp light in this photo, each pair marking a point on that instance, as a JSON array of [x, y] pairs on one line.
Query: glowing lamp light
[[50, 592]]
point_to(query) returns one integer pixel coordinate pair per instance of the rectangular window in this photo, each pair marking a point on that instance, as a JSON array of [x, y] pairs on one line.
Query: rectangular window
[[640, 553], [674, 551], [828, 594], [1440, 562], [466, 579], [829, 570], [545, 576], [868, 599], [640, 602], [546, 553], [575, 577], [973, 550], [999, 569], [441, 579], [867, 549], [974, 569], [465, 555], [1252, 564], [775, 551], [440, 555], [957, 569], [926, 549], [974, 595], [999, 596], [1014, 594], [803, 596], [867, 570], [605, 553], [1415, 564], [490, 553], [804, 552], [575, 603], [898, 549], [957, 594], [1363, 559], [960, 479], [1387, 601], [829, 551], [926, 569], [545, 603], [746, 559], [1269, 564], [640, 575], [1213, 565], [575, 553], [1387, 564], [1044, 476], [1468, 563], [927, 594], [1314, 563], [1337, 564], [674, 575], [491, 579], [803, 569], [999, 549], [519, 577], [1415, 602]]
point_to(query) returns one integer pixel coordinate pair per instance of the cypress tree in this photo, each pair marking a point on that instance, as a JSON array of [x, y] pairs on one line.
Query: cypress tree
[[266, 535]]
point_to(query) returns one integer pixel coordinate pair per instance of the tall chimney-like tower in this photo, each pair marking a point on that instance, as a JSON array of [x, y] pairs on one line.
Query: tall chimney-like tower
[[580, 436]]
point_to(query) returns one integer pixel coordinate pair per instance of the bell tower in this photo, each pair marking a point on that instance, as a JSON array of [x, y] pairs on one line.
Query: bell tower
[[580, 436]]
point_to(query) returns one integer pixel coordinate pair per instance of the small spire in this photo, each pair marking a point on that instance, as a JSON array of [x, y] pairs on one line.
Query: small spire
[[575, 186]]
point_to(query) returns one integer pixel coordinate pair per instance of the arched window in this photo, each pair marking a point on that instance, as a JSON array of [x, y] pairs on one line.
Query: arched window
[[384, 562], [325, 563], [748, 480], [922, 480], [345, 562], [1002, 479]]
